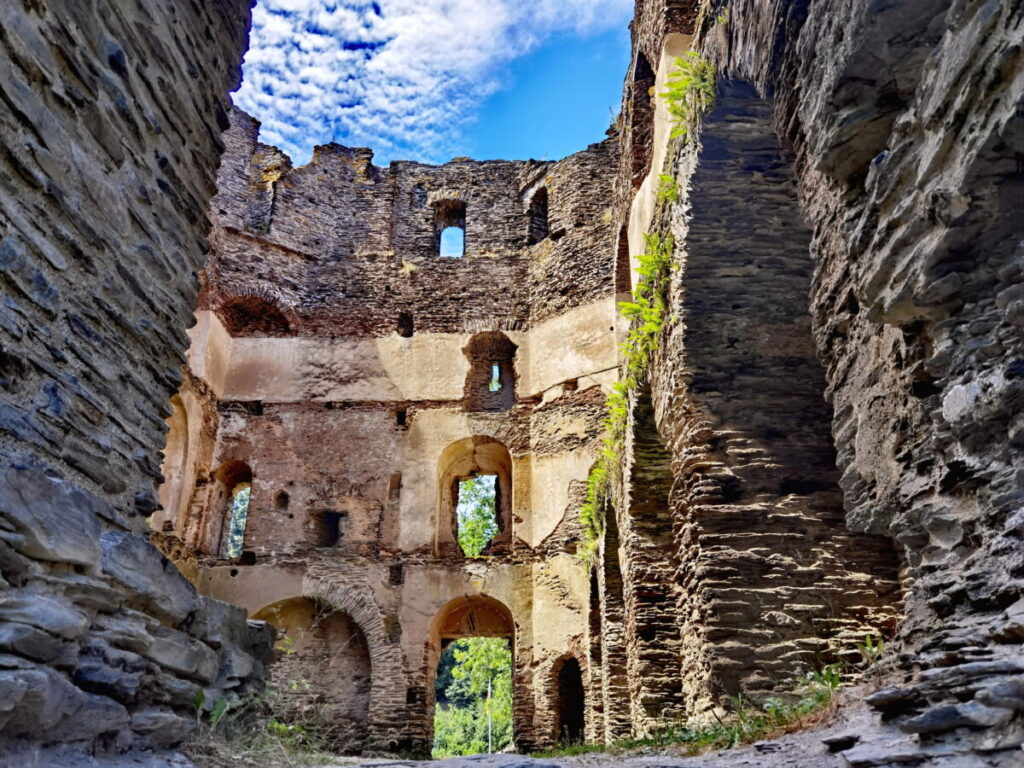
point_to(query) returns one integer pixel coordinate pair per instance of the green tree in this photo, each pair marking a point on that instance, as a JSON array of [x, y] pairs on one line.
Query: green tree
[[481, 689], [475, 513]]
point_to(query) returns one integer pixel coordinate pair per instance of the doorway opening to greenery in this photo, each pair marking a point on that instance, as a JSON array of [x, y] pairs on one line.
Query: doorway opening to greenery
[[473, 693]]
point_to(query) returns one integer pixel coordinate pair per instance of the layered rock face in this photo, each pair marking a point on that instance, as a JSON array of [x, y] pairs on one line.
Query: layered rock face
[[109, 141], [860, 169]]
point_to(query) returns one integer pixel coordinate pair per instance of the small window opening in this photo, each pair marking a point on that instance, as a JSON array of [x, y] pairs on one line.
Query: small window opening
[[538, 217], [401, 418], [396, 575], [406, 326], [239, 516], [332, 528], [281, 501], [453, 243], [476, 513], [494, 385], [450, 228]]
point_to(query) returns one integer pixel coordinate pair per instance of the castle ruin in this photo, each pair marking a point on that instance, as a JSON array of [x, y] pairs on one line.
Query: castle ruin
[[824, 442]]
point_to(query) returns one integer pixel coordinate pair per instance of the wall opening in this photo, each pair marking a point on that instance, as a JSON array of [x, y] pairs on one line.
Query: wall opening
[[330, 528], [476, 513], [491, 381], [253, 315], [475, 498], [642, 119], [538, 217], [472, 651], [326, 647], [231, 502], [570, 707], [175, 489], [406, 325], [450, 228]]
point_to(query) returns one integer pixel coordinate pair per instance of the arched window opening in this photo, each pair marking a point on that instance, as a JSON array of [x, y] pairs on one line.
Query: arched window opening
[[450, 228], [538, 217], [491, 382], [253, 315], [472, 647], [231, 504], [476, 513], [570, 707], [642, 122], [237, 520], [327, 650], [475, 519]]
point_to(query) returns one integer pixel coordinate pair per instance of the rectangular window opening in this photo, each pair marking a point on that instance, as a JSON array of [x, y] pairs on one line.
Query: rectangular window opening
[[495, 383], [476, 513]]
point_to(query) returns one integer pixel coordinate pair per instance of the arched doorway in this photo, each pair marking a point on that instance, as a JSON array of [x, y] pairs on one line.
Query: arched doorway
[[570, 701], [323, 668], [473, 710]]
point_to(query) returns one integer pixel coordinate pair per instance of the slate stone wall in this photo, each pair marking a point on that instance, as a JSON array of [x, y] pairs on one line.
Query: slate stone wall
[[109, 142], [901, 130]]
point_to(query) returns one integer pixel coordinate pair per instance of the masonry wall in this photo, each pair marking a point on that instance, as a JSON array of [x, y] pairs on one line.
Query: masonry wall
[[349, 370], [900, 130], [109, 143]]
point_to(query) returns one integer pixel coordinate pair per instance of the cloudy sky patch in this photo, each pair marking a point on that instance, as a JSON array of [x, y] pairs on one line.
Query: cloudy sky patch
[[404, 77]]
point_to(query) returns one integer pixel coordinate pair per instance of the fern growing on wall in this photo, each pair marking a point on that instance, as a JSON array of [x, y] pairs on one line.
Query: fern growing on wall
[[646, 314], [690, 92]]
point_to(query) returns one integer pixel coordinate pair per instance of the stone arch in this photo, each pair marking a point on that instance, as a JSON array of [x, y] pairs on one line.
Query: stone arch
[[255, 313], [478, 616], [387, 726], [328, 649], [491, 381], [213, 530], [464, 458]]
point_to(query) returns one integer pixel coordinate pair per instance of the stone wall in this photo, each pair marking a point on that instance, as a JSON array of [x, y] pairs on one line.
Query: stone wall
[[109, 142], [884, 145], [350, 369]]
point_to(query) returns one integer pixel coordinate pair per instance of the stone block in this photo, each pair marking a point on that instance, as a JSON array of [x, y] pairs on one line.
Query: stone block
[[29, 642], [180, 653], [56, 615], [156, 585], [57, 521], [160, 728]]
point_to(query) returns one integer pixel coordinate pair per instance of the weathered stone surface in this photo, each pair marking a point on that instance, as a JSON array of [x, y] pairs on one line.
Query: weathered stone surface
[[179, 653], [155, 584], [56, 615], [55, 520]]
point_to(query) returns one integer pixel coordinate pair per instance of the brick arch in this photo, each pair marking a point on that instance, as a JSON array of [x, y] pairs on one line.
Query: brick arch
[[386, 721], [255, 312]]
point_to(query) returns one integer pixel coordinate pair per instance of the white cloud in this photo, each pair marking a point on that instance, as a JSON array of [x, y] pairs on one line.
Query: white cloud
[[401, 76]]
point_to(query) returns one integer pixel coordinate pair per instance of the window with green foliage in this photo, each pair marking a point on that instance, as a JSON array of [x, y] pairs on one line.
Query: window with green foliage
[[494, 385], [238, 519], [474, 698], [476, 513]]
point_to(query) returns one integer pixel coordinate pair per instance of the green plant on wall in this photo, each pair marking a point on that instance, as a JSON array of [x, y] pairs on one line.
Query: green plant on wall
[[646, 313], [668, 189], [690, 92]]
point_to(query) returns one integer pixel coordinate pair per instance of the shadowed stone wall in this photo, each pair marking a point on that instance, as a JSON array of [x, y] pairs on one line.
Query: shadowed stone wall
[[109, 142], [900, 181]]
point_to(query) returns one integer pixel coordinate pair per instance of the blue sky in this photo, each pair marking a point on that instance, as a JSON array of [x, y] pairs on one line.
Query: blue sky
[[432, 79]]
